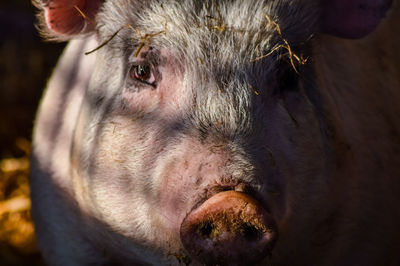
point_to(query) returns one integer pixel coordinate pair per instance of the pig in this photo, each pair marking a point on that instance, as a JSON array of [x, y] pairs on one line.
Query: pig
[[219, 133]]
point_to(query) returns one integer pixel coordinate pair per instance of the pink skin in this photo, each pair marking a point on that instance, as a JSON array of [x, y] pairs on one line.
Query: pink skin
[[197, 168]]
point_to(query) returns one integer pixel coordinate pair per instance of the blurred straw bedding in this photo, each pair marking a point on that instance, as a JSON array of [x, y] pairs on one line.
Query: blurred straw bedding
[[17, 238], [26, 63]]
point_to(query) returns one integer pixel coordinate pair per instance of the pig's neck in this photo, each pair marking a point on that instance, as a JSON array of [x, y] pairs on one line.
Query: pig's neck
[[360, 80], [362, 84]]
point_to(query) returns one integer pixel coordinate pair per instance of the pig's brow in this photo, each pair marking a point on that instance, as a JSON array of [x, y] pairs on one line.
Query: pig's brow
[[152, 56]]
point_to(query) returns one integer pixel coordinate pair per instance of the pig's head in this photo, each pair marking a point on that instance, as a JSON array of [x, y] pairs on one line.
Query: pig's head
[[203, 135]]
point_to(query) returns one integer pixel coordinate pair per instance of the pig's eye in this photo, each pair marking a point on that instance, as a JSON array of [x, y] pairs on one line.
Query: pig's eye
[[142, 73]]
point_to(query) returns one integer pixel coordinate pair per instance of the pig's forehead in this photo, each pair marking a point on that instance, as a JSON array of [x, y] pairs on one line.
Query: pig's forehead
[[209, 28]]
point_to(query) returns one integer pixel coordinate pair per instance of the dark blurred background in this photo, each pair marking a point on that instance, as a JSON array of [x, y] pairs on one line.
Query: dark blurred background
[[26, 62]]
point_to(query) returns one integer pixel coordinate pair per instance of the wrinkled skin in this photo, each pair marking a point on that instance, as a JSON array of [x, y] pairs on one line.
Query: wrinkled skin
[[121, 159]]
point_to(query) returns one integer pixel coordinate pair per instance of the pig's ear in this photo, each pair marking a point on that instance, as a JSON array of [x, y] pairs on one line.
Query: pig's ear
[[352, 19], [64, 19]]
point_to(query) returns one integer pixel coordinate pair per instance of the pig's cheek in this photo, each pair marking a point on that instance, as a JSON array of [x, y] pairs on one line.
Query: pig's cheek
[[162, 102], [140, 102], [118, 182]]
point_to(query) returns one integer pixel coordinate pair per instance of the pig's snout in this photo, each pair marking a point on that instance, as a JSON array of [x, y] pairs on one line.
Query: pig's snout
[[230, 228]]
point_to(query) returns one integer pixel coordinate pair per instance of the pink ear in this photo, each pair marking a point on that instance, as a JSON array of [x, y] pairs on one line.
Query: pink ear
[[70, 17], [352, 18]]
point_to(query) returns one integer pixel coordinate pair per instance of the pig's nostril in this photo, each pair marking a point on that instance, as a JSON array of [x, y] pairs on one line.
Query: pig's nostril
[[230, 228], [206, 229], [252, 232]]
